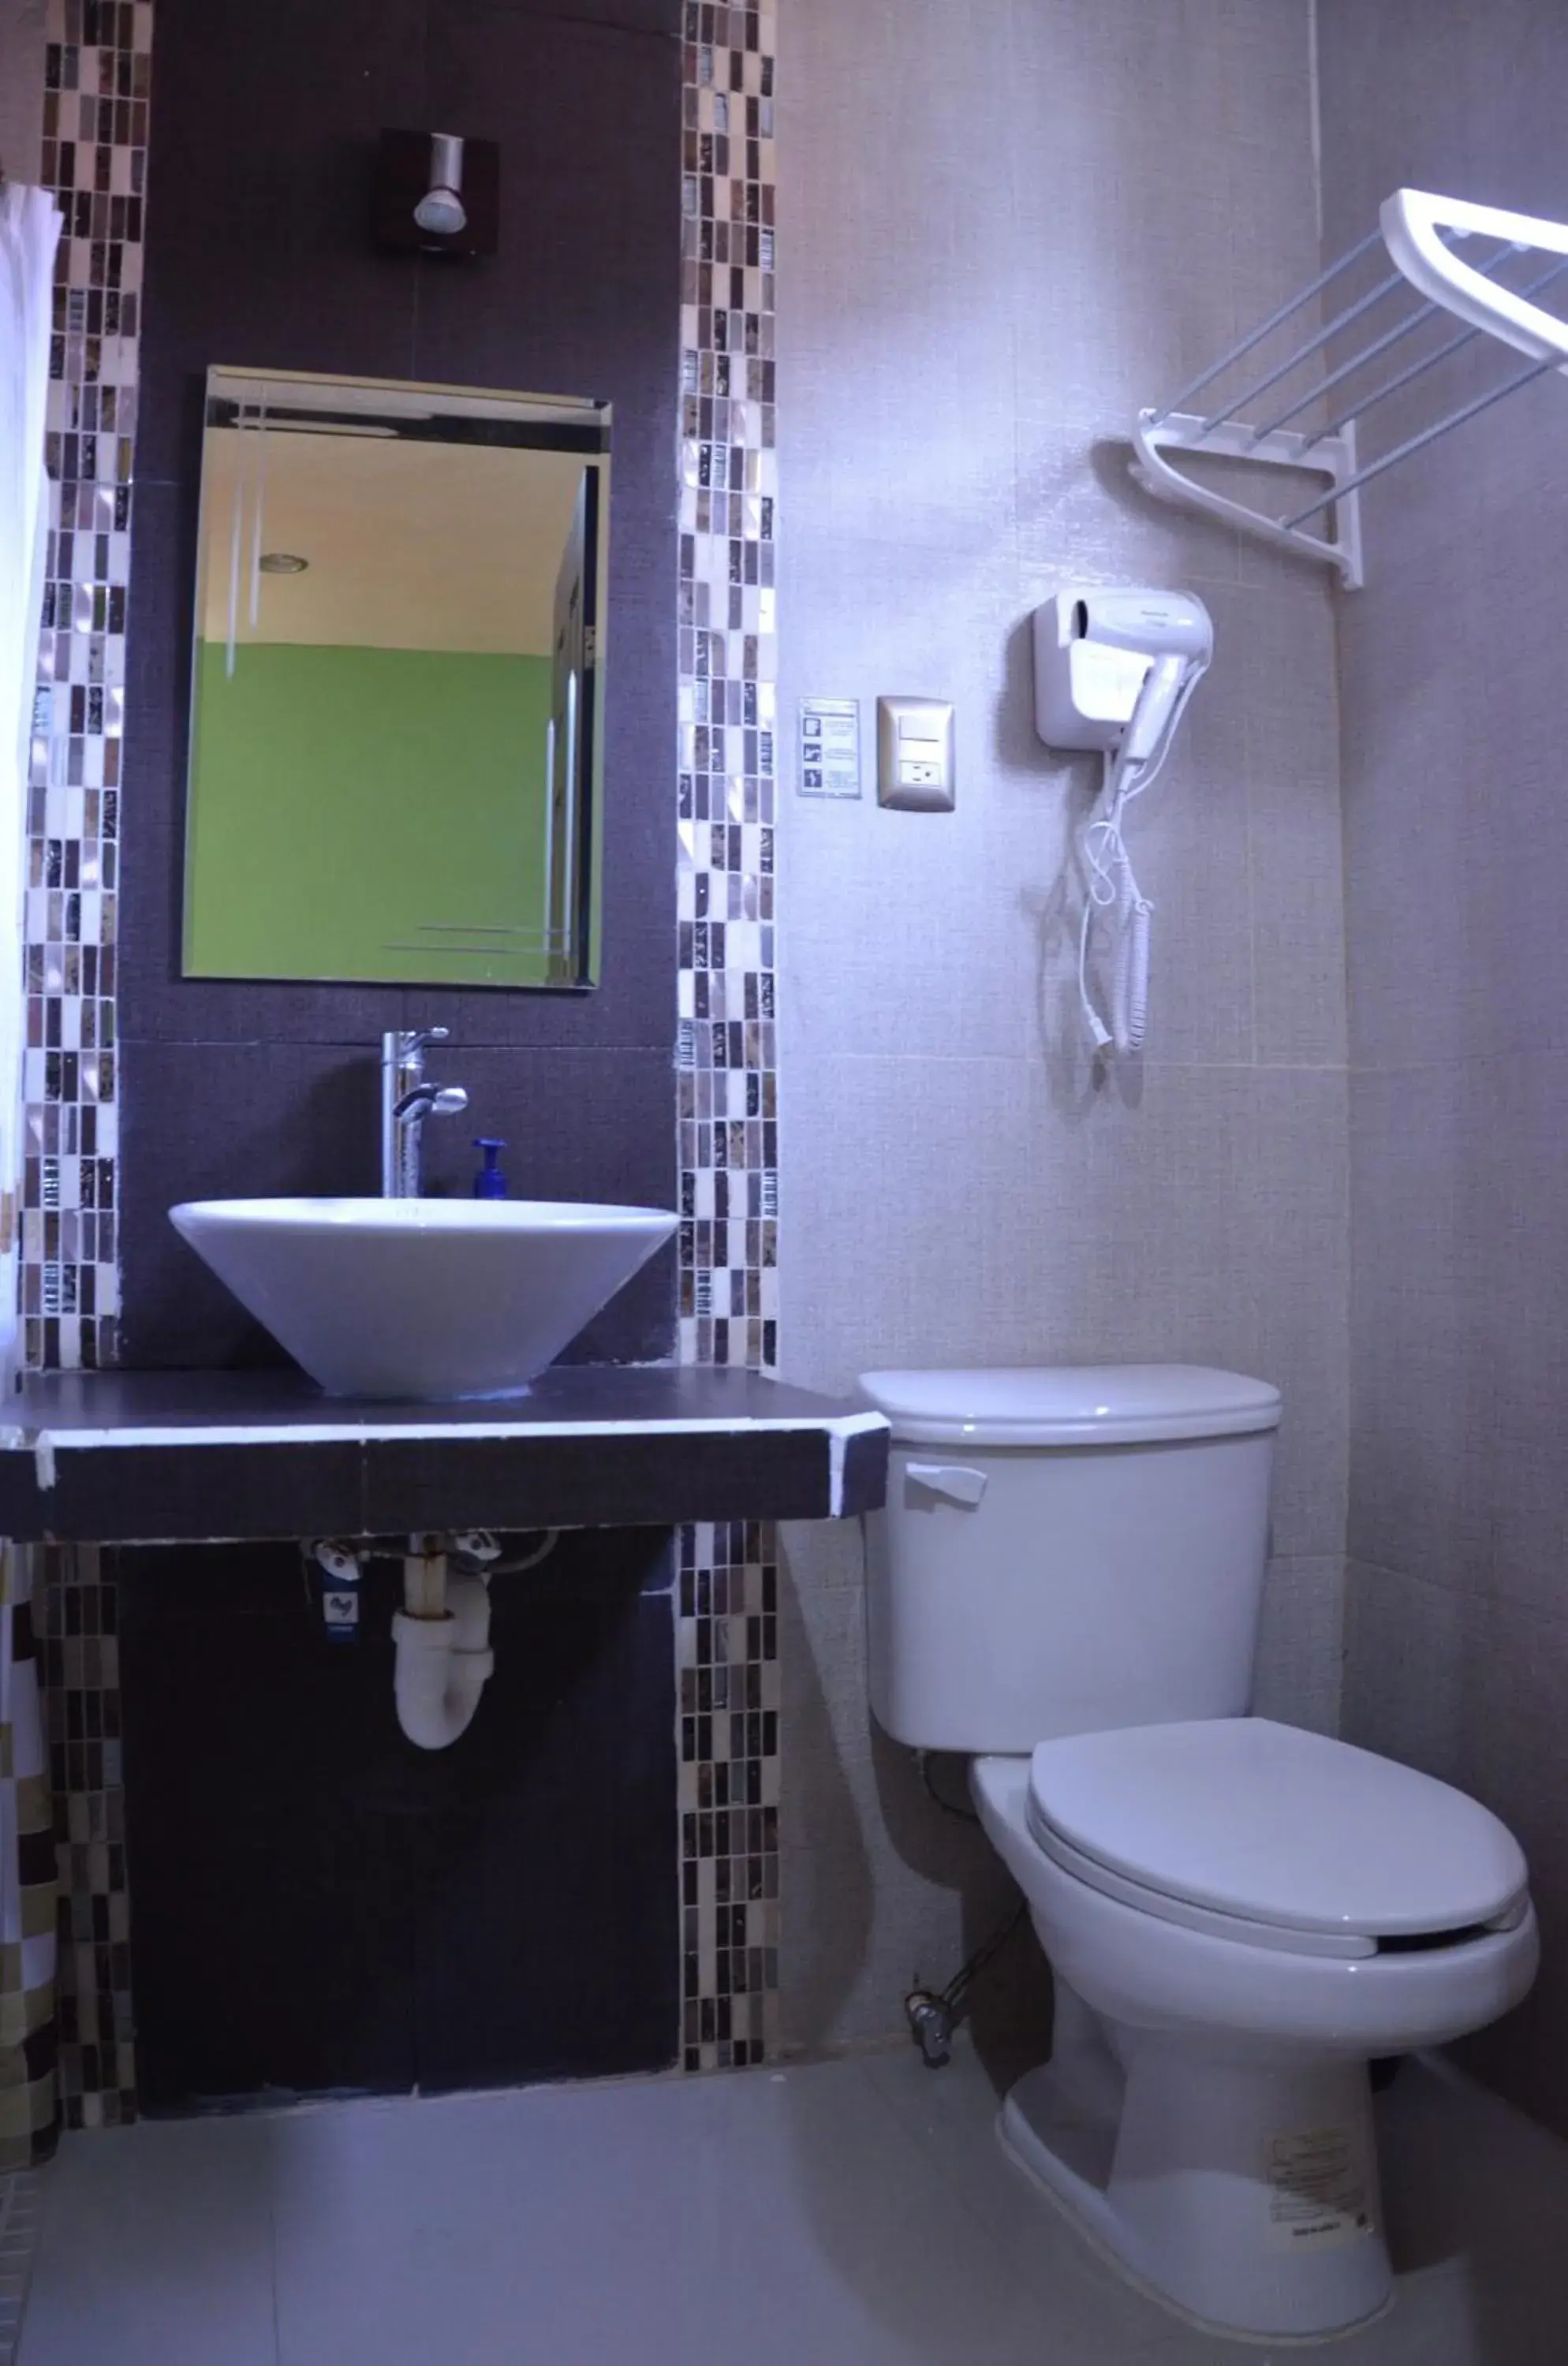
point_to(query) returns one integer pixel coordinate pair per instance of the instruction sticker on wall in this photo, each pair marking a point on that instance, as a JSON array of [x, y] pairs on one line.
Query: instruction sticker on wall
[[828, 745]]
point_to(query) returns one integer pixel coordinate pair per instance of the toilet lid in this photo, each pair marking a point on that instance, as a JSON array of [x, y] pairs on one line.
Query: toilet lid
[[1277, 1826]]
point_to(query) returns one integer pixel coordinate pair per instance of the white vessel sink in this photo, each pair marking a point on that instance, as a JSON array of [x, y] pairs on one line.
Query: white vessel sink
[[422, 1298]]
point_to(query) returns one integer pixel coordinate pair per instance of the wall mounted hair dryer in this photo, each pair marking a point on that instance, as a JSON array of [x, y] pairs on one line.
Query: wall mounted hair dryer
[[1113, 671]]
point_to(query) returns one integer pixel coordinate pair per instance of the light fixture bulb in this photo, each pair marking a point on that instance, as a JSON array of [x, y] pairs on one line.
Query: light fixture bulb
[[441, 210]]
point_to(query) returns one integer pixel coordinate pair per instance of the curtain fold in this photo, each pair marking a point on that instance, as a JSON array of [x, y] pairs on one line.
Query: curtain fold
[[30, 225]]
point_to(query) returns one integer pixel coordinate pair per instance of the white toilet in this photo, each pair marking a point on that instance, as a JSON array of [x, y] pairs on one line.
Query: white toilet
[[1239, 1915]]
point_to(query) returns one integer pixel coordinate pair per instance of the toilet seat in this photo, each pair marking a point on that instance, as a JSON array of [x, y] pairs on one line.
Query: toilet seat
[[1207, 1918], [1263, 1832], [1156, 1965]]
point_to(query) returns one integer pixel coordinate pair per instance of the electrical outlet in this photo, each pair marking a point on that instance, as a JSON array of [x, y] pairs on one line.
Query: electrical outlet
[[914, 754]]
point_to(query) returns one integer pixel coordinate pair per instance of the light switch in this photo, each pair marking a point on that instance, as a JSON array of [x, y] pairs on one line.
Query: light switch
[[914, 754]]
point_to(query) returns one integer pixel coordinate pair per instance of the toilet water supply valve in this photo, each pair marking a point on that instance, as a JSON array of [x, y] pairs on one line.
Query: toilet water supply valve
[[934, 2014], [440, 1635]]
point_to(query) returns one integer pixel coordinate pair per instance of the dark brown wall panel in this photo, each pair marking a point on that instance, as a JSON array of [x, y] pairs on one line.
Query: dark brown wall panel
[[264, 133], [327, 1908]]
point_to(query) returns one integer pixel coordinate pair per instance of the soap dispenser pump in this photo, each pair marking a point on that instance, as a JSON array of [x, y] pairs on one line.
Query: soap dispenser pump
[[489, 1183]]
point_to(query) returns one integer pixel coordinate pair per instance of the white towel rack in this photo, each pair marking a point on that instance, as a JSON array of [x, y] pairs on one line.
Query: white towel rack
[[1419, 235]]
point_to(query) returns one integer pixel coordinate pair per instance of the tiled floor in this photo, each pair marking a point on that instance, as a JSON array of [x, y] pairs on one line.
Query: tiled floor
[[855, 2213]]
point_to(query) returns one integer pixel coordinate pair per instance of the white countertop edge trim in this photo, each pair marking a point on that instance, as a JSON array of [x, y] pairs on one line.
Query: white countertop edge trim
[[46, 1442]]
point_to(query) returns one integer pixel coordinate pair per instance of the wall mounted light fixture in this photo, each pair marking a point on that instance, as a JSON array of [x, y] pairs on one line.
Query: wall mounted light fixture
[[441, 207], [437, 193]]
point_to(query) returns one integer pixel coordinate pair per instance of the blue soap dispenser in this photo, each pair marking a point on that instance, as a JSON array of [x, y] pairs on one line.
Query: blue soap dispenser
[[489, 1183]]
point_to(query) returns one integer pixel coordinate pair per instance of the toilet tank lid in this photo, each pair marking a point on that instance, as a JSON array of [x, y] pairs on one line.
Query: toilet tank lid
[[1070, 1404]]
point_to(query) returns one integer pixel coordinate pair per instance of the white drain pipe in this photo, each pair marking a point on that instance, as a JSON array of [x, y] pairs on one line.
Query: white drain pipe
[[442, 1641]]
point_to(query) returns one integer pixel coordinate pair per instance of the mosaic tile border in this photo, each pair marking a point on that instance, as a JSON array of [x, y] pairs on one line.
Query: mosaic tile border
[[79, 1662], [727, 1624], [97, 78]]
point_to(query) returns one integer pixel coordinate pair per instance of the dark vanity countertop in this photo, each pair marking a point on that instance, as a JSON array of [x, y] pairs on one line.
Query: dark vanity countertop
[[156, 1457]]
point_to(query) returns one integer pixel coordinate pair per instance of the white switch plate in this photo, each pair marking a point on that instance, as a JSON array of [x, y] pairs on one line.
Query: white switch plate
[[914, 754]]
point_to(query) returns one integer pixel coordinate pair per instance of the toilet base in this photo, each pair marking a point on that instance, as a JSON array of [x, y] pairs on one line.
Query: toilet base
[[1238, 2189]]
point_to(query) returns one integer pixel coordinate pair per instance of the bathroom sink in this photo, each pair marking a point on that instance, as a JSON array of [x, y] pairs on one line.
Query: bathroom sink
[[422, 1298]]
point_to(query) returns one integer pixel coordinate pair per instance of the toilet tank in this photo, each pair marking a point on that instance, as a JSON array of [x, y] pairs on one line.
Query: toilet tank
[[1066, 1549]]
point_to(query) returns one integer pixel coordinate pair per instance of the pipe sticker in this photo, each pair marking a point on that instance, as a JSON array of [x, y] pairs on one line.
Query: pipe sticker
[[1320, 2189]]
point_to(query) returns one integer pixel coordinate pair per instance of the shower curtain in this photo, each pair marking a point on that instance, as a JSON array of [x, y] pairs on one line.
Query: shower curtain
[[29, 232]]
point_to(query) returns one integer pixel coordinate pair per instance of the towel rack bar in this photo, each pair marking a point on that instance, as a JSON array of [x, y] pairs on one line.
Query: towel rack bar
[[1503, 253], [1265, 329], [1427, 435], [1313, 344], [1429, 361], [1347, 369]]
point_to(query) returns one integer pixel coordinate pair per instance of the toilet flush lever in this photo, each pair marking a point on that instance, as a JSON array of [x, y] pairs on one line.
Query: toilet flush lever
[[954, 1480]]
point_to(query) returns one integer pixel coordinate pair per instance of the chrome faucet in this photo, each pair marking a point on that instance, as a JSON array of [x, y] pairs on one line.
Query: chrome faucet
[[406, 1102]]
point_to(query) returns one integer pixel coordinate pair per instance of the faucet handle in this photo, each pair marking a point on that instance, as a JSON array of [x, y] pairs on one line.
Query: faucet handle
[[403, 1045]]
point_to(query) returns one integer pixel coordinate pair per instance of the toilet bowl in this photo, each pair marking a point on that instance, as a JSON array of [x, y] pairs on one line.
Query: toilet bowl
[[1239, 1915], [1205, 2114]]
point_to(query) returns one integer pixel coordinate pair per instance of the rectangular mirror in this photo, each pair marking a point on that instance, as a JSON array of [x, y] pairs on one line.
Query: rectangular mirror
[[398, 684]]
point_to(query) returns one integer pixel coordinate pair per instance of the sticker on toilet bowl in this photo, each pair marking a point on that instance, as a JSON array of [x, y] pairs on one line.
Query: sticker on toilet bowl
[[1320, 2189]]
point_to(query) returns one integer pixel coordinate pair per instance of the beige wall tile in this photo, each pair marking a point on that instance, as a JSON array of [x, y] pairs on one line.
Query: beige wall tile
[[1458, 1625], [899, 1241], [1001, 232], [1301, 1643], [1470, 1688]]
